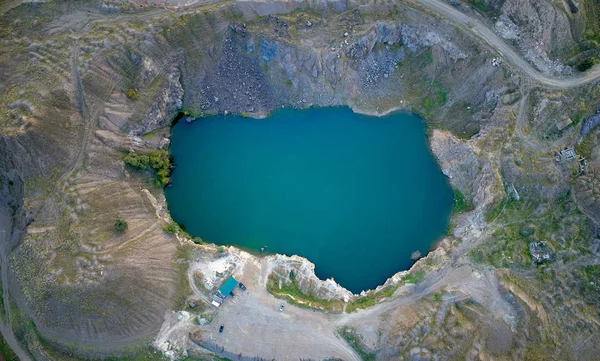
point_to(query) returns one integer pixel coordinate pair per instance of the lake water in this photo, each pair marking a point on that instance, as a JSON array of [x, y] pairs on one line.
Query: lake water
[[356, 195]]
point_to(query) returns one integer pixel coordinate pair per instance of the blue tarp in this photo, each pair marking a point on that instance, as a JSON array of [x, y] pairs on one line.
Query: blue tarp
[[228, 286]]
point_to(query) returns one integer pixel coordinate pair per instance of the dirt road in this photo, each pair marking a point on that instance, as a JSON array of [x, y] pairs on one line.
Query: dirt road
[[506, 51], [6, 233], [254, 326]]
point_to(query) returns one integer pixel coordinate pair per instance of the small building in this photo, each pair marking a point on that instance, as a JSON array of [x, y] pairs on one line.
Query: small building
[[227, 287], [224, 291], [566, 154], [217, 300]]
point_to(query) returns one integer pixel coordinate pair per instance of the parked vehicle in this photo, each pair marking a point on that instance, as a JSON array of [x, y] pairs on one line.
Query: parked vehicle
[[241, 285], [281, 308], [232, 294], [221, 328]]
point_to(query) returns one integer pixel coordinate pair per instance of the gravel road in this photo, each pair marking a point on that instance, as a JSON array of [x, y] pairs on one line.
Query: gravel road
[[486, 34]]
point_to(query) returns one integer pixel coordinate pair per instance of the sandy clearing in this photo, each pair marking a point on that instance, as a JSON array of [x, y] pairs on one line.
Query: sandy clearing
[[255, 327]]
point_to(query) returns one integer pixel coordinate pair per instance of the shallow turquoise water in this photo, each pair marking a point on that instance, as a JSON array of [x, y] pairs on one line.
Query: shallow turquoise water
[[356, 195]]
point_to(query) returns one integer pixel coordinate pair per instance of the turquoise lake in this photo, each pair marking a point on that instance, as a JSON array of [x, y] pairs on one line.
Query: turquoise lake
[[356, 195]]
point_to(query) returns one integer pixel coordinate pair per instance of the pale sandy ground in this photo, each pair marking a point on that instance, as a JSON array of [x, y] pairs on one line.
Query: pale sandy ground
[[254, 326]]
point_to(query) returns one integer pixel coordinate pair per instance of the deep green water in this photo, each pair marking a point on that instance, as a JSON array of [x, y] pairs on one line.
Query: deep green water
[[356, 195]]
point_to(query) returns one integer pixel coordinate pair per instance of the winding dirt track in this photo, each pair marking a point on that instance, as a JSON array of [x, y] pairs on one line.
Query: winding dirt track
[[7, 231], [506, 51]]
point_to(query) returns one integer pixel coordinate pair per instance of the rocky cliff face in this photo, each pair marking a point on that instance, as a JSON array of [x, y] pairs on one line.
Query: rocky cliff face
[[540, 30]]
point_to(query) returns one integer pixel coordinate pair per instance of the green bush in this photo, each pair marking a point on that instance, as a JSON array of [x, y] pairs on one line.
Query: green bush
[[585, 64], [132, 94], [135, 160], [171, 228], [158, 160], [120, 225], [355, 341], [292, 293]]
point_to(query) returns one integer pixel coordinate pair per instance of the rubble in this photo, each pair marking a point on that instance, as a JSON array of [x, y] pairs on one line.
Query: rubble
[[539, 252], [565, 155]]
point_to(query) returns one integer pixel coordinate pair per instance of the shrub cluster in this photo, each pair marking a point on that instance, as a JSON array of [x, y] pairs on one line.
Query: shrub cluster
[[585, 64], [171, 228], [120, 225], [158, 160]]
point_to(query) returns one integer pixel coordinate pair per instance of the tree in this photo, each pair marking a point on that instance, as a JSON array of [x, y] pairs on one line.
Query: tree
[[158, 160], [137, 161], [132, 94], [171, 228], [585, 64], [120, 225]]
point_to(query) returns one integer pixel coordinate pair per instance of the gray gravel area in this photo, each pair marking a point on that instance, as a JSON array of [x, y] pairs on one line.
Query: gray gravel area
[[254, 326]]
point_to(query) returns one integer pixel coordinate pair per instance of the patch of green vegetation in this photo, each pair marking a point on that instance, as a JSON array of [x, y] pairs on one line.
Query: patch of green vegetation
[[414, 277], [511, 247], [435, 99], [497, 210], [198, 240], [146, 354], [585, 64], [354, 340], [425, 58], [458, 119], [24, 328], [461, 203], [578, 117], [450, 229], [483, 7], [591, 12], [292, 293], [138, 351], [590, 287], [586, 145], [158, 160], [519, 223], [120, 225], [372, 297], [476, 256], [479, 5], [6, 353], [181, 260], [171, 228], [192, 114], [131, 94], [212, 358]]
